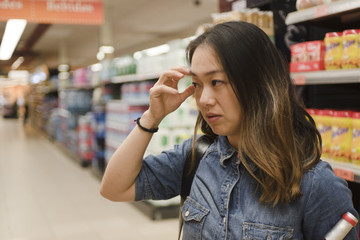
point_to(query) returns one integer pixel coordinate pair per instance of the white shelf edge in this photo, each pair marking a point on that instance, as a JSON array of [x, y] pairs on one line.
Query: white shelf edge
[[349, 167], [134, 77], [327, 77], [332, 8]]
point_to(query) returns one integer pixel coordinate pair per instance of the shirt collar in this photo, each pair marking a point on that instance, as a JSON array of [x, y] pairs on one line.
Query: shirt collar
[[226, 151]]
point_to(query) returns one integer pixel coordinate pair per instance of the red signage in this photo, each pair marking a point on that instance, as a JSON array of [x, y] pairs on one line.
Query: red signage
[[54, 11]]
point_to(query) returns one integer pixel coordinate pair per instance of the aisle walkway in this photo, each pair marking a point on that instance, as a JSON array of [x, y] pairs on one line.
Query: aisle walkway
[[46, 196]]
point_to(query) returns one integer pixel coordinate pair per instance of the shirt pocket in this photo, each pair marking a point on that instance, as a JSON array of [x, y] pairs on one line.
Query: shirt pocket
[[257, 231], [194, 216]]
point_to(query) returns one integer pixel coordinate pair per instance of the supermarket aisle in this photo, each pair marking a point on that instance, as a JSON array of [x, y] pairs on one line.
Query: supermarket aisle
[[46, 196]]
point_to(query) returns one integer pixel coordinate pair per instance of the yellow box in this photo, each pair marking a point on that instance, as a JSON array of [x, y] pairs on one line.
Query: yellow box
[[341, 136], [333, 50], [323, 124], [350, 53], [355, 144]]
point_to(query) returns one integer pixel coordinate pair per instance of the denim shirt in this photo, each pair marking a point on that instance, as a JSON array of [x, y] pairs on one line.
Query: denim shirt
[[224, 198]]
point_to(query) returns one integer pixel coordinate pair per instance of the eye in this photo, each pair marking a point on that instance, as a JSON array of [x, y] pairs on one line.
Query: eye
[[195, 84], [216, 82]]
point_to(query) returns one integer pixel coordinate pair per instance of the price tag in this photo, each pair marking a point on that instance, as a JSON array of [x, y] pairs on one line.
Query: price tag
[[321, 11], [299, 79], [345, 174]]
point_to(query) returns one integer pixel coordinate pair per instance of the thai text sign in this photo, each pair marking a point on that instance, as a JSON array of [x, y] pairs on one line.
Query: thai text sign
[[53, 11]]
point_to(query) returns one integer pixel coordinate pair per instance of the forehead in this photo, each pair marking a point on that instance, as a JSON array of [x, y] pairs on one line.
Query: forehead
[[205, 59]]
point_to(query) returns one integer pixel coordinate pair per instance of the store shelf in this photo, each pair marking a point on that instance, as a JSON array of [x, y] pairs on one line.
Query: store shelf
[[347, 171], [322, 11], [134, 77], [327, 77], [83, 87]]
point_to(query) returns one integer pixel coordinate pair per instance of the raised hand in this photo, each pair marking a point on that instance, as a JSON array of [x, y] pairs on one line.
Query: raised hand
[[164, 95]]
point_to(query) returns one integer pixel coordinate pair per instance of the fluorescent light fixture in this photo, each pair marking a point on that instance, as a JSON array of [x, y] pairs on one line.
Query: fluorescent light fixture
[[38, 77], [13, 31], [19, 75], [100, 56], [106, 49], [157, 50], [17, 63], [137, 55]]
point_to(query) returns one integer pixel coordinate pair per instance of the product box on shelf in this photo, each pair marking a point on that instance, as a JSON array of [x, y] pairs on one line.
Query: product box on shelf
[[98, 123], [119, 122], [340, 133], [124, 65], [341, 136], [323, 123], [355, 144], [350, 51], [307, 56], [303, 4], [85, 139], [136, 93], [298, 53], [333, 50]]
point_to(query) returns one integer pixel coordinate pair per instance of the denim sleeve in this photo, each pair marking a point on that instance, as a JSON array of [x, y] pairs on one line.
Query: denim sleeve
[[328, 199], [160, 176]]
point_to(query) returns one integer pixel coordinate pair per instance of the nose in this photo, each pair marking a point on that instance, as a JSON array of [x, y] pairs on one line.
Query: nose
[[206, 97]]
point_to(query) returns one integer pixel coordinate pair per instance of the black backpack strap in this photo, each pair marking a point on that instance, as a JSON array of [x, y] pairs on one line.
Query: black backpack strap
[[202, 143]]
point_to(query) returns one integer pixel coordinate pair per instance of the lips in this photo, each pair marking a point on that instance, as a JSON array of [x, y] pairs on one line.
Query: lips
[[212, 117]]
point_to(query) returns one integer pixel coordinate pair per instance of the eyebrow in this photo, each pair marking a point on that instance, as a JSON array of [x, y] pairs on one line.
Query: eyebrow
[[207, 73]]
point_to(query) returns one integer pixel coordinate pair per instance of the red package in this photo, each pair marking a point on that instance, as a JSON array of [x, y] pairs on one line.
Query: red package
[[315, 50], [298, 52]]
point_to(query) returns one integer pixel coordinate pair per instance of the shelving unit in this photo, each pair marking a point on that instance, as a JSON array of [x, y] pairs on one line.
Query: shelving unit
[[348, 12], [323, 12], [134, 78], [327, 77]]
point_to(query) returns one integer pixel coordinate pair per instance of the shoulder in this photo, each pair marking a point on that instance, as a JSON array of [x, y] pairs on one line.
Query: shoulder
[[322, 180], [326, 198], [322, 172], [323, 190]]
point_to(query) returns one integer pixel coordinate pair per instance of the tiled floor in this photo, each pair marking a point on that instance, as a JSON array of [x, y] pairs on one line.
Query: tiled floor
[[46, 196]]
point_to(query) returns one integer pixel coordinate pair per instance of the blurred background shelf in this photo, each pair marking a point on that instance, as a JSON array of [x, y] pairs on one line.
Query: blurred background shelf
[[347, 8], [327, 77]]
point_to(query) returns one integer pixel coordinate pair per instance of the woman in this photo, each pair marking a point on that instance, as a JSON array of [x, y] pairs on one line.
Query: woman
[[262, 177]]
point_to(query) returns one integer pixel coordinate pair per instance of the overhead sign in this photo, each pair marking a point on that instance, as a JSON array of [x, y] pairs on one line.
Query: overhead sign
[[54, 11]]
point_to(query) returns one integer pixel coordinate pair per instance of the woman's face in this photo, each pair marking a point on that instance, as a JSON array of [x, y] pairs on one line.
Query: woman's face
[[214, 95]]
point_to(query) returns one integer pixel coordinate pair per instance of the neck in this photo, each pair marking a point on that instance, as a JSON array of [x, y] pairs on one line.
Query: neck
[[234, 141]]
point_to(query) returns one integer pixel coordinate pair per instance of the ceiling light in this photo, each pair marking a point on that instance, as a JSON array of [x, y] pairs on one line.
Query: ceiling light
[[137, 55], [13, 31], [100, 56], [106, 49], [157, 50], [17, 63]]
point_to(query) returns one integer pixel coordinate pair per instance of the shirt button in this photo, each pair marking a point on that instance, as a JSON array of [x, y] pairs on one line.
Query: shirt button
[[187, 213], [224, 220]]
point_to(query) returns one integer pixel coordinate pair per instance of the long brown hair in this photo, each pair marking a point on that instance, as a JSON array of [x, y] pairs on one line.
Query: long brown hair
[[277, 133]]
